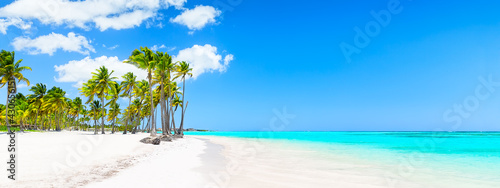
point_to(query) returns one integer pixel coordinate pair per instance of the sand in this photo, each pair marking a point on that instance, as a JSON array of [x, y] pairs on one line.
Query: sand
[[81, 159]]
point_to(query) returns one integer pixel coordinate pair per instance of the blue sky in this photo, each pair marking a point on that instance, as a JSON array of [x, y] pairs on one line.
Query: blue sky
[[259, 57]]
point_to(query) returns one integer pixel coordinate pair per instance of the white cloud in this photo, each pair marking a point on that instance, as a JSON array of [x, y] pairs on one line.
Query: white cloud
[[22, 85], [17, 22], [114, 47], [104, 14], [156, 47], [178, 4], [48, 44], [204, 59], [197, 18], [123, 21], [79, 71]]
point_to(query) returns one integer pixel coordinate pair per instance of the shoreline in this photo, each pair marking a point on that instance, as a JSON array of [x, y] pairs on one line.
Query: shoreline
[[203, 161]]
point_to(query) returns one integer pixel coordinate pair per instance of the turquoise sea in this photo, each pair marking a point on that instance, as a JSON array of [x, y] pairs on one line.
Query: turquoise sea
[[472, 155]]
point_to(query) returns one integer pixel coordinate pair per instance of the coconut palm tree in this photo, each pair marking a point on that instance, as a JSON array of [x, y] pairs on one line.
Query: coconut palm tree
[[56, 102], [95, 106], [11, 70], [39, 90], [142, 95], [164, 67], [128, 86], [113, 97], [176, 102], [183, 70], [23, 111], [84, 113], [76, 108], [114, 111], [103, 84], [2, 112], [145, 59], [174, 92]]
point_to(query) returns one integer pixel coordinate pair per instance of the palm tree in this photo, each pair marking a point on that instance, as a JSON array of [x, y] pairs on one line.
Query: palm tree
[[176, 101], [164, 67], [11, 71], [76, 108], [141, 94], [84, 112], [2, 112], [23, 111], [39, 91], [174, 92], [128, 86], [113, 96], [55, 101], [95, 106], [183, 70], [144, 59], [114, 111], [103, 84]]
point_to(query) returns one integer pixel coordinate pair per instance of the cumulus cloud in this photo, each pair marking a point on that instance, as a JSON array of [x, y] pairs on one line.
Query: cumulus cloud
[[123, 21], [204, 59], [104, 14], [17, 22], [79, 71], [48, 44], [197, 18]]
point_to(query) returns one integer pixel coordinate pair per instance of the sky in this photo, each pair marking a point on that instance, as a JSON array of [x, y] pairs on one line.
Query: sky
[[345, 65]]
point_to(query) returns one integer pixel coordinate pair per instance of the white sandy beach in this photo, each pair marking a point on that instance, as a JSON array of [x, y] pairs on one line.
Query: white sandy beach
[[80, 159]]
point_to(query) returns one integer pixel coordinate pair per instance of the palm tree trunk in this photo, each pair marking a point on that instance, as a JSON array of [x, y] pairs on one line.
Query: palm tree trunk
[[102, 113], [181, 127], [153, 125], [113, 126], [95, 122], [162, 103], [167, 104], [173, 123], [36, 117], [128, 114], [57, 122], [7, 112]]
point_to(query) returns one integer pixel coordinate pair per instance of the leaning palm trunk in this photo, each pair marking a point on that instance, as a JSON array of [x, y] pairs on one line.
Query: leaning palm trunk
[[182, 106], [173, 123], [153, 125]]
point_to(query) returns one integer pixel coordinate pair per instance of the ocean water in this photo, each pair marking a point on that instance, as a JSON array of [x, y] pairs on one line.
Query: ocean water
[[469, 155]]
